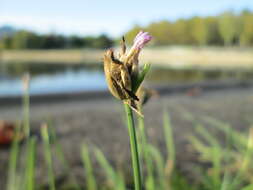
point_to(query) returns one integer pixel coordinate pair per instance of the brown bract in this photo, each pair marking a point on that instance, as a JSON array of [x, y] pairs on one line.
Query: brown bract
[[119, 73]]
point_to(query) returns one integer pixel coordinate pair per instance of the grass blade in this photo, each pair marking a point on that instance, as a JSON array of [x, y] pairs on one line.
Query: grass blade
[[48, 156], [12, 169], [61, 156], [163, 181], [225, 182], [90, 179], [114, 178], [144, 154], [168, 133], [30, 164]]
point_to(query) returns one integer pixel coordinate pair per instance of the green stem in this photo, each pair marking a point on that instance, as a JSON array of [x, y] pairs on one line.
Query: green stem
[[48, 156], [26, 104], [134, 148]]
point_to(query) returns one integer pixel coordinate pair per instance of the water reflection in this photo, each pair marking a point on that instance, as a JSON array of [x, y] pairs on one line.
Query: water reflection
[[60, 78], [18, 69], [50, 79]]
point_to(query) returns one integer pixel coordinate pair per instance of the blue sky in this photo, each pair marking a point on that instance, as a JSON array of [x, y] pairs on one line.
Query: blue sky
[[92, 17]]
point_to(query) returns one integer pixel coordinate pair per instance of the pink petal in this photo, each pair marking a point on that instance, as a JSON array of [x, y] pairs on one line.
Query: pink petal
[[141, 39]]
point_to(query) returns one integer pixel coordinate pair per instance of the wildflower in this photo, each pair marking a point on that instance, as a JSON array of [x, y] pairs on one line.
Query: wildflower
[[131, 58], [141, 39], [122, 72]]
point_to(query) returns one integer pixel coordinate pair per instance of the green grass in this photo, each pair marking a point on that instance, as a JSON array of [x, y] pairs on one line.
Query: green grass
[[48, 156], [12, 171], [229, 165], [89, 173], [29, 183]]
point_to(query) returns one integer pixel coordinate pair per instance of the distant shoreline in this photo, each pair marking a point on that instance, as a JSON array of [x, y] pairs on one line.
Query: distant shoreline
[[174, 56]]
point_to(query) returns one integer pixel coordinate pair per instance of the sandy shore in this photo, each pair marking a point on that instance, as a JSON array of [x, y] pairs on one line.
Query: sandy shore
[[175, 56], [99, 122]]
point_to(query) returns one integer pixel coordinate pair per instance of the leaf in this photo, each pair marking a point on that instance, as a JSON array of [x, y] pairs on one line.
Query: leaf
[[113, 177], [90, 179], [137, 82]]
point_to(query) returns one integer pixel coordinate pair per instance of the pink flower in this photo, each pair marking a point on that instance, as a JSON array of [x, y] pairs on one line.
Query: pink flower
[[141, 39]]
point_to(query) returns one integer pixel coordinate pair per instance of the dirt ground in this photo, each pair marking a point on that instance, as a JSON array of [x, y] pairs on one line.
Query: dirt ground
[[100, 122]]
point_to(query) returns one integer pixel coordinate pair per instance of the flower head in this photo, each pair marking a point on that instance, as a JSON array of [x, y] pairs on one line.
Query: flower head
[[141, 39], [122, 72]]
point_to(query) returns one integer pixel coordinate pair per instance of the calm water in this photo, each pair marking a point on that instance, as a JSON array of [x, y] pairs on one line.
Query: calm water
[[59, 78], [50, 79]]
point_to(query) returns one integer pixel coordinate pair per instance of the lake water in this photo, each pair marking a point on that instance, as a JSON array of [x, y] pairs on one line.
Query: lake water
[[59, 78], [50, 78], [67, 81]]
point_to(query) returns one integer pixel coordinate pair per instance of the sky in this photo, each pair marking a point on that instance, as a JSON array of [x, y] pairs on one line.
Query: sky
[[113, 17]]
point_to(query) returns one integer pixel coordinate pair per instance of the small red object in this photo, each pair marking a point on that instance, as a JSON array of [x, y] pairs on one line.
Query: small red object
[[7, 132]]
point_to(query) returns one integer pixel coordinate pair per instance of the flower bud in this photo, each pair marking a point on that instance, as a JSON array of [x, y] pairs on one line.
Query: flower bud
[[141, 39]]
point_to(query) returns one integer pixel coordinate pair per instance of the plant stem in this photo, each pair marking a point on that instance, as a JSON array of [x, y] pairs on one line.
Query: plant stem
[[30, 164], [26, 105], [134, 148], [48, 156]]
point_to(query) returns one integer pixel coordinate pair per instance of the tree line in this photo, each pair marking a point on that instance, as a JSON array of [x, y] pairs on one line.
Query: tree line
[[226, 29], [24, 39]]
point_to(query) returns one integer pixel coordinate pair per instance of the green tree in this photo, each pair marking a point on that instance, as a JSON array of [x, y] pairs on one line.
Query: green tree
[[75, 42], [6, 42], [19, 40], [180, 32], [33, 40], [227, 27], [214, 37], [199, 30], [161, 31], [53, 41], [102, 42], [246, 37]]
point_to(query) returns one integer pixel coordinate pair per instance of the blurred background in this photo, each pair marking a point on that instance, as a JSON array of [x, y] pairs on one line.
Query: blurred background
[[201, 59], [63, 42]]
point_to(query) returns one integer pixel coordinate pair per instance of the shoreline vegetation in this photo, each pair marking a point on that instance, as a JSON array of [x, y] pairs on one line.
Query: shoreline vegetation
[[172, 56]]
